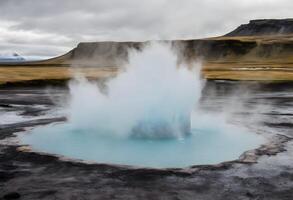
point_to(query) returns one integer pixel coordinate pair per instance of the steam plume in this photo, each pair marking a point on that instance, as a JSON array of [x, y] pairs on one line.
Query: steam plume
[[153, 98]]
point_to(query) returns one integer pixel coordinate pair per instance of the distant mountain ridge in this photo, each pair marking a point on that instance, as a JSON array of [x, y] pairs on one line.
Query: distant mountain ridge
[[263, 27], [11, 58]]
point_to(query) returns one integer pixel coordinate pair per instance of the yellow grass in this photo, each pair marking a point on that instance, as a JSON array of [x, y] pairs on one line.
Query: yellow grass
[[231, 71], [17, 74], [258, 75]]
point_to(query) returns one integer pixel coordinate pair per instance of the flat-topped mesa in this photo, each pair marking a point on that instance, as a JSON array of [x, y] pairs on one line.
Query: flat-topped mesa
[[263, 27], [115, 54]]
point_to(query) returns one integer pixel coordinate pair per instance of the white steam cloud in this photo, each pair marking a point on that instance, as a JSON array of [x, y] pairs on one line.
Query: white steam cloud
[[153, 98]]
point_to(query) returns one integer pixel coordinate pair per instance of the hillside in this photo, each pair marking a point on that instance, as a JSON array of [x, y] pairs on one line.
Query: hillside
[[260, 50]]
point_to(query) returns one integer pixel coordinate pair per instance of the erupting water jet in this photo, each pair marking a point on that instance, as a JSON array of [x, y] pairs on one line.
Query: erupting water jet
[[153, 98]]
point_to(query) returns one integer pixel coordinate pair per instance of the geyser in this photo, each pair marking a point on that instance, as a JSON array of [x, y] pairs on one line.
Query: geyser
[[143, 118], [153, 98]]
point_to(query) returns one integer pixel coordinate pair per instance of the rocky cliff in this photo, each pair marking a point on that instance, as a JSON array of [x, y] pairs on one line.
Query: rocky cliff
[[115, 54], [264, 27]]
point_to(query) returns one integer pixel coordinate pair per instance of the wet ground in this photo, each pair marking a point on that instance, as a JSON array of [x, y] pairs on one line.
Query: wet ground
[[264, 173]]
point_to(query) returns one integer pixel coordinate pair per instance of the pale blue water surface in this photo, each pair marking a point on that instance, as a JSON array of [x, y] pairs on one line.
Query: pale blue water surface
[[206, 145]]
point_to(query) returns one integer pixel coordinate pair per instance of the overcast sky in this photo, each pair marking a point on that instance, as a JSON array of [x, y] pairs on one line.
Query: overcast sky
[[52, 27]]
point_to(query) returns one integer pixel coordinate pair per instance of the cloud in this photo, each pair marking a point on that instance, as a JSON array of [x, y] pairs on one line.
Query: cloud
[[56, 26]]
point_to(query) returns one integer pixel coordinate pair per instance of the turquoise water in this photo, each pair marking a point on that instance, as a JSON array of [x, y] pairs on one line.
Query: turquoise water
[[206, 145]]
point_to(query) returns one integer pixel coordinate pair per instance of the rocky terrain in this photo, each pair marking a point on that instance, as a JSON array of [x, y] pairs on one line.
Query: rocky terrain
[[262, 174]]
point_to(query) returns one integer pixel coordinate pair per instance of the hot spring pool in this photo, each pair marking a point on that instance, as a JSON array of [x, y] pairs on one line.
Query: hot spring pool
[[146, 117], [205, 145]]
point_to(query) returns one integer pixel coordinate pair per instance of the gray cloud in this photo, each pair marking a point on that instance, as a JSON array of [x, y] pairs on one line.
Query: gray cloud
[[51, 27]]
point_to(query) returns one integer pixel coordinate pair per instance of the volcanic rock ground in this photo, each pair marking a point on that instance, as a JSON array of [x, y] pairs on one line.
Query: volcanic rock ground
[[265, 173]]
